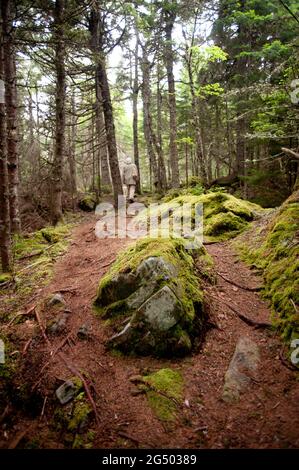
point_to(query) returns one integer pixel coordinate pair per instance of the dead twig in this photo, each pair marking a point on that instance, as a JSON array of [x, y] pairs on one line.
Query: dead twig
[[75, 371], [43, 408], [21, 314], [42, 328], [25, 349], [249, 321], [233, 283]]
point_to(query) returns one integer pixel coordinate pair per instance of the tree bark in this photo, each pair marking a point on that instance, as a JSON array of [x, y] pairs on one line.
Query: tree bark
[[135, 110], [96, 22], [5, 251], [161, 163], [169, 60], [12, 114], [147, 120], [59, 146]]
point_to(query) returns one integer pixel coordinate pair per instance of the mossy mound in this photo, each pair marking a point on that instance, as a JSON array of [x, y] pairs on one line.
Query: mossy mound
[[87, 202], [164, 391], [153, 284], [278, 259], [224, 216]]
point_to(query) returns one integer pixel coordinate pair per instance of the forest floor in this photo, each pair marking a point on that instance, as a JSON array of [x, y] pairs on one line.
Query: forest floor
[[265, 417]]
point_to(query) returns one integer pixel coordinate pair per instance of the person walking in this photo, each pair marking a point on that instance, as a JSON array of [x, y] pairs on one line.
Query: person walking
[[129, 179]]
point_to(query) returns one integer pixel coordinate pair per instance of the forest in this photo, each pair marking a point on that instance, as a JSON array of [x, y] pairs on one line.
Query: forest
[[119, 343]]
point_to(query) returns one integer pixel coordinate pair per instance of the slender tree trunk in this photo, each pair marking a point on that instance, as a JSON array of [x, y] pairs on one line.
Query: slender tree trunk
[[59, 148], [72, 152], [169, 60], [5, 251], [102, 141], [161, 162], [135, 109], [97, 25], [12, 114], [147, 120], [199, 147]]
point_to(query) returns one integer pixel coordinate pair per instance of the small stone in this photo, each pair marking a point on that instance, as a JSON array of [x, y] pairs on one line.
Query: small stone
[[56, 299], [83, 332], [59, 325], [66, 392], [238, 376]]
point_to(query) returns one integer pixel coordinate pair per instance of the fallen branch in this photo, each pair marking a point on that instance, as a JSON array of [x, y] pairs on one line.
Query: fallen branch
[[290, 152], [21, 314], [42, 328], [249, 321], [75, 371], [233, 283]]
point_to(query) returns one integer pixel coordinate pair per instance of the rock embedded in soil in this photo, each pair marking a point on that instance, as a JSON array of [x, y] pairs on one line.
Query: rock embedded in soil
[[68, 391], [56, 299], [244, 363], [154, 285]]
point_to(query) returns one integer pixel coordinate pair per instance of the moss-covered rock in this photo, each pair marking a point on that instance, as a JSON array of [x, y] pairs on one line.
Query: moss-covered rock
[[224, 216], [164, 391], [277, 256], [154, 284], [87, 202]]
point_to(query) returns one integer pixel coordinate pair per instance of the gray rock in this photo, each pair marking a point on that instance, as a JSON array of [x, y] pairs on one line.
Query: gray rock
[[67, 392], [83, 332], [56, 299], [161, 311], [142, 294], [238, 376], [59, 325], [121, 338], [154, 268]]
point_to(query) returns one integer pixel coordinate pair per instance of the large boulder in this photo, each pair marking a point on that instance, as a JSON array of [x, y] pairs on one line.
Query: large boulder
[[153, 286]]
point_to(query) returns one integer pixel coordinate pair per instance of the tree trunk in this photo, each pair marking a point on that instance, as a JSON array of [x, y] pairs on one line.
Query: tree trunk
[[72, 152], [59, 147], [161, 162], [97, 25], [4, 189], [135, 110], [12, 115], [147, 120], [175, 179]]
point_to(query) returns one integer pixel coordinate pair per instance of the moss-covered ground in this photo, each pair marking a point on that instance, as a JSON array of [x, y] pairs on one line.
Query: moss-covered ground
[[164, 391], [274, 250]]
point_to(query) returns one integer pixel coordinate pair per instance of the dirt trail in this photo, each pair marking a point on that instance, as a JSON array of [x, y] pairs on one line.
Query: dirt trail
[[267, 414]]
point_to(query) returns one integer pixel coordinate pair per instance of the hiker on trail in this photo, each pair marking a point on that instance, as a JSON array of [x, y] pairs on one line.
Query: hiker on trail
[[129, 179]]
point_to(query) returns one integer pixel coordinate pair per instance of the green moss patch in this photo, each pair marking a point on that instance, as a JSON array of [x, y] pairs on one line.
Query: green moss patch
[[224, 216], [164, 391], [277, 256], [88, 202]]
